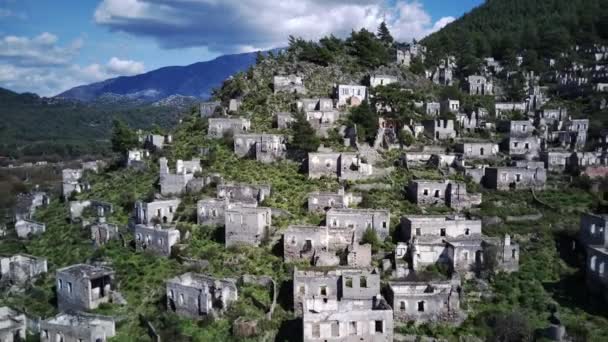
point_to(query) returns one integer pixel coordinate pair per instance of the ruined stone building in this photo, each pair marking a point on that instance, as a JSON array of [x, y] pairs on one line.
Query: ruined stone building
[[102, 232], [350, 95], [284, 120], [522, 146], [197, 296], [21, 268], [556, 160], [265, 148], [322, 201], [439, 129], [218, 127], [28, 228], [414, 50], [288, 84], [377, 220], [341, 305], [77, 327], [502, 108], [156, 212], [13, 325], [83, 287], [315, 105], [515, 178], [136, 158], [156, 239], [344, 166], [320, 246], [27, 203], [428, 302], [450, 193], [571, 133], [593, 236], [450, 106], [72, 182], [175, 183], [550, 117], [432, 109], [479, 85], [381, 80], [240, 192], [89, 208], [455, 242], [322, 121], [478, 150], [211, 108], [157, 141], [247, 225]]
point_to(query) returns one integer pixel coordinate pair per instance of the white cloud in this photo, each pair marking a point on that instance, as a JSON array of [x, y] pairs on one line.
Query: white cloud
[[40, 65], [244, 25], [125, 67]]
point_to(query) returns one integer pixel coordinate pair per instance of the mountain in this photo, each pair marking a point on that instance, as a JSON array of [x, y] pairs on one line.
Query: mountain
[[195, 80], [501, 28]]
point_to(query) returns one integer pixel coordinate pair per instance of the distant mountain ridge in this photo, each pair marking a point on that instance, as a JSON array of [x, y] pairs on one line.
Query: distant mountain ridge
[[193, 81]]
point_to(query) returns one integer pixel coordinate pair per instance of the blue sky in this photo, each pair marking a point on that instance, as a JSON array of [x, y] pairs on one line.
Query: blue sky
[[48, 46]]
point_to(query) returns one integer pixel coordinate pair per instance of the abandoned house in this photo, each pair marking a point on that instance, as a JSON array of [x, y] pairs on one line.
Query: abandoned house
[[438, 225], [284, 120], [196, 295], [450, 106], [83, 287], [381, 80], [77, 327], [320, 246], [156, 239], [556, 160], [218, 127], [234, 105], [13, 325], [342, 304], [136, 158], [593, 235], [515, 178], [502, 108], [323, 201], [28, 228], [211, 108], [322, 121], [439, 129], [27, 203], [350, 95], [478, 150], [265, 148], [447, 192], [156, 212], [89, 208], [72, 182], [479, 85], [21, 268], [288, 84], [315, 105], [377, 220], [247, 225], [102, 232], [175, 183], [519, 146], [240, 192], [344, 166], [157, 141], [551, 117], [425, 301], [432, 109]]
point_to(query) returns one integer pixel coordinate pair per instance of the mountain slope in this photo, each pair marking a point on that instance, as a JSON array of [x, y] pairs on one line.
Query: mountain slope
[[196, 80], [500, 27]]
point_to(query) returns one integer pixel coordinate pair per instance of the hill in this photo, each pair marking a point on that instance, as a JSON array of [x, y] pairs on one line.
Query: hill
[[498, 28], [195, 80], [34, 126]]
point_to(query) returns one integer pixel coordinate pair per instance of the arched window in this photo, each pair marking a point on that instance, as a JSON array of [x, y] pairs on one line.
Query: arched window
[[601, 269], [592, 262]]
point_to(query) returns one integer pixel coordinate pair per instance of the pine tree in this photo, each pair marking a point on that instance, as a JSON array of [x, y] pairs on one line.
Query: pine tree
[[123, 138], [385, 35], [304, 137]]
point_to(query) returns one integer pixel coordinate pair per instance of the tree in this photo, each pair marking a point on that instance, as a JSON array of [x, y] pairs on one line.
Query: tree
[[366, 120], [385, 35], [123, 138], [304, 136], [370, 236], [370, 51], [511, 327]]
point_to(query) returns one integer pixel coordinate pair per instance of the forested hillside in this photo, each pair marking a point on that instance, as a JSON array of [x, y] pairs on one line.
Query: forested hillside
[[500, 28]]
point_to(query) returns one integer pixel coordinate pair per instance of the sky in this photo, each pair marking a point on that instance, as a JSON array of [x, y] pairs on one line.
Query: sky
[[49, 46]]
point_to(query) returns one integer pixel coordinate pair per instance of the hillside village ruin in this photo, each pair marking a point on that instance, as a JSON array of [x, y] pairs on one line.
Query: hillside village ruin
[[344, 288]]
